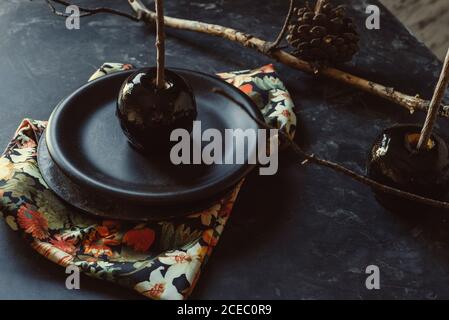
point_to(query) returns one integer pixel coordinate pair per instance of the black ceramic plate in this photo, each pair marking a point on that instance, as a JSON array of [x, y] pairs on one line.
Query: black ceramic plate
[[86, 142], [105, 207]]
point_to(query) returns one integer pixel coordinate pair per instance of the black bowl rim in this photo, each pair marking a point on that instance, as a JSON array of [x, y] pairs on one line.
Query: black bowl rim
[[167, 198]]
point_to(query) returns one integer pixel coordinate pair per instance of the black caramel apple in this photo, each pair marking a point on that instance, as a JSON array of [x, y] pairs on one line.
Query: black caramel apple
[[153, 102], [395, 161], [148, 114]]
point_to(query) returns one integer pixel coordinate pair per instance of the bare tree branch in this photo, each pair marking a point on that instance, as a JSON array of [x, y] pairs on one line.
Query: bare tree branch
[[160, 45], [409, 102], [281, 35], [53, 9]]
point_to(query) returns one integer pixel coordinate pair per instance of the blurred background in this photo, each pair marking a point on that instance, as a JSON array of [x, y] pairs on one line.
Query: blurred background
[[427, 19]]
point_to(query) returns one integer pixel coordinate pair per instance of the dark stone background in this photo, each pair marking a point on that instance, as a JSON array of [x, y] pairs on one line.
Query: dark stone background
[[306, 232], [426, 19]]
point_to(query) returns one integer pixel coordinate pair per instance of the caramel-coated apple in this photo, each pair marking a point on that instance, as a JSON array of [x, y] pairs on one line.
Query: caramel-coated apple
[[148, 114], [394, 160]]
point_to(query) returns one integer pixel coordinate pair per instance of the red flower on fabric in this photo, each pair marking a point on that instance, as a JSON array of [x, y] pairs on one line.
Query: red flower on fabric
[[103, 231], [33, 222], [156, 291], [139, 239], [97, 250], [209, 238], [181, 258], [246, 88], [286, 113], [107, 233], [67, 246], [99, 241]]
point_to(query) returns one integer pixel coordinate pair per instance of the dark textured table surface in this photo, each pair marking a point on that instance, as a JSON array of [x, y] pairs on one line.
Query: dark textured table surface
[[306, 232]]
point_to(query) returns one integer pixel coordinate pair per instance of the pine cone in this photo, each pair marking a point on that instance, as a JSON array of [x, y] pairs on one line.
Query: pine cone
[[323, 38]]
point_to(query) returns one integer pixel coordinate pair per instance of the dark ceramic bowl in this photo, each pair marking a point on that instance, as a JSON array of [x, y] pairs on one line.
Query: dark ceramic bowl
[[86, 142]]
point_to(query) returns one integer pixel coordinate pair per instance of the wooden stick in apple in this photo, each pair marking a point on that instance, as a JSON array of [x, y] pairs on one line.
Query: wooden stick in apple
[[160, 44], [435, 103]]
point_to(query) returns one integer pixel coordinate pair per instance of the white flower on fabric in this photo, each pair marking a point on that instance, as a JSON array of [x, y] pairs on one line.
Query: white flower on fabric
[[240, 76], [275, 98], [239, 81], [179, 263], [25, 154], [278, 95], [159, 287], [285, 117]]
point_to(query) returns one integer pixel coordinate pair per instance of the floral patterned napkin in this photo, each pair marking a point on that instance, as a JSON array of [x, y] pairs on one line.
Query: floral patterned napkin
[[161, 260]]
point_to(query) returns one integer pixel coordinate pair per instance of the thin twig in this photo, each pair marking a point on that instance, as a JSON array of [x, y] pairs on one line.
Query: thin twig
[[281, 35], [434, 107], [53, 9], [89, 11], [160, 44], [335, 166]]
